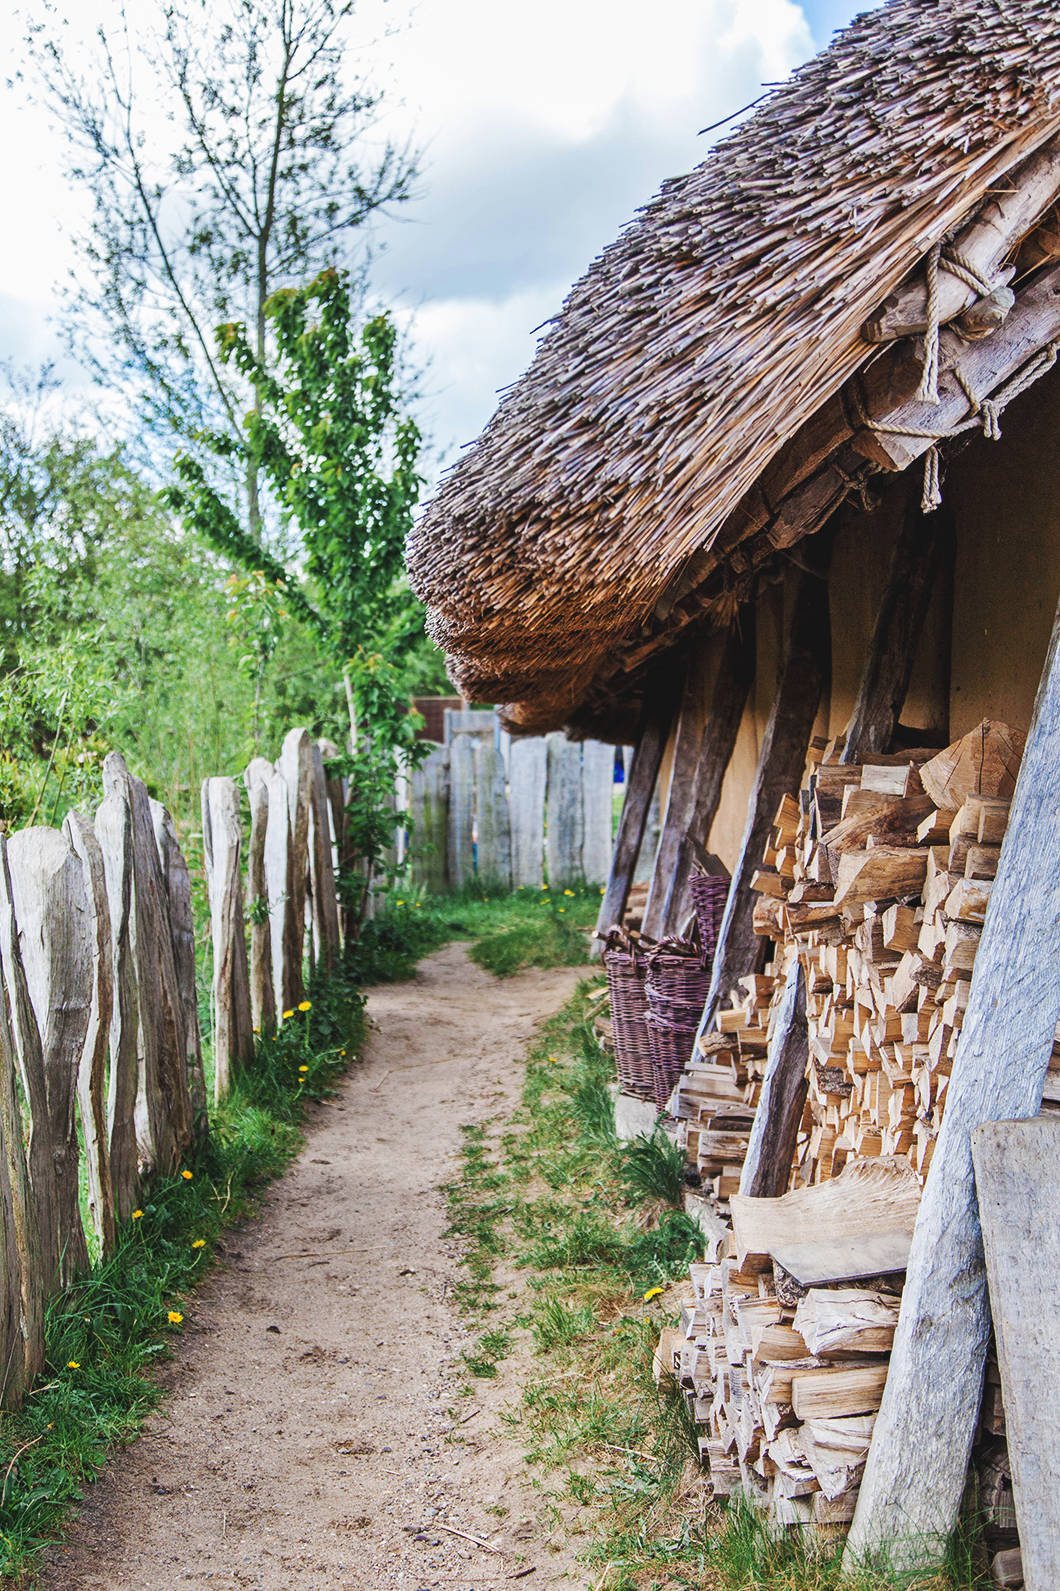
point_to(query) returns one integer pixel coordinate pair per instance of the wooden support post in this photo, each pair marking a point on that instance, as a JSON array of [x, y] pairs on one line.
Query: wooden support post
[[177, 884], [92, 1071], [51, 912], [27, 1267], [915, 559], [527, 777], [771, 1146], [1017, 1180], [494, 825], [655, 719], [221, 841], [598, 796], [262, 989], [114, 832], [564, 816], [919, 1456], [429, 804], [781, 761], [461, 810], [736, 672], [295, 767], [688, 747], [321, 867]]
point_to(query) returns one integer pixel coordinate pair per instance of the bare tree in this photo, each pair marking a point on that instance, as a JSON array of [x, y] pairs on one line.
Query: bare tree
[[269, 176]]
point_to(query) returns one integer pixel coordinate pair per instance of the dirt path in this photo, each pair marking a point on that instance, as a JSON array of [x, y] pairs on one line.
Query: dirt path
[[304, 1440]]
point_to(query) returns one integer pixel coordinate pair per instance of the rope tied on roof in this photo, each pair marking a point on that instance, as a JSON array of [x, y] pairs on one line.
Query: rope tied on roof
[[986, 413], [953, 261]]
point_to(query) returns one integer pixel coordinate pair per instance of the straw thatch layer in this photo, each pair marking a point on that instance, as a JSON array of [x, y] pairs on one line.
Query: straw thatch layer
[[715, 325]]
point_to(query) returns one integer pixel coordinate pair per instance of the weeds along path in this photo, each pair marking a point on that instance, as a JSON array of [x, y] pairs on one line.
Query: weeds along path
[[314, 1436]]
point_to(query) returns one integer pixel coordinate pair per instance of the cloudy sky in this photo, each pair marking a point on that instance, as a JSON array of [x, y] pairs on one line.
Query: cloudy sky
[[542, 126]]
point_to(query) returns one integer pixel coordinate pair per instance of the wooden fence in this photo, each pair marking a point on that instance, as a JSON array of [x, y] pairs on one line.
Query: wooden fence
[[503, 811], [100, 1025]]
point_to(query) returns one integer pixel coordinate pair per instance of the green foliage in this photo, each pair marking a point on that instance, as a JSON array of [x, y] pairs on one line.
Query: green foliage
[[653, 1168], [557, 939]]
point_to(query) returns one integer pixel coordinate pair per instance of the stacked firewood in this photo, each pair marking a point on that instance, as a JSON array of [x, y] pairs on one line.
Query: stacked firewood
[[878, 878]]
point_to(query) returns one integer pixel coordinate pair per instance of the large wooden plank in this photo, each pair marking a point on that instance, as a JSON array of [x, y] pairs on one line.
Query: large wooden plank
[[656, 717], [322, 866], [22, 1239], [430, 820], [771, 1146], [1017, 1179], [92, 1070], [115, 834], [915, 560], [736, 672], [931, 1403], [564, 815], [807, 662], [233, 1026], [177, 882], [527, 777], [494, 844], [460, 854], [598, 795], [295, 766], [262, 990], [688, 748], [869, 1199]]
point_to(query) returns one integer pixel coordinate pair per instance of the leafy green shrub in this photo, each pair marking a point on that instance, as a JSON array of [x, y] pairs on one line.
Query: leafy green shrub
[[653, 1168]]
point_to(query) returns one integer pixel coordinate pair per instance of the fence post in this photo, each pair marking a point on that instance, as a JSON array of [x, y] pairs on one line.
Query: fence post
[[295, 766], [461, 790], [50, 911], [430, 820], [114, 833], [598, 795], [177, 883], [262, 992], [494, 826], [321, 867], [566, 820], [232, 1021], [528, 770], [92, 1072]]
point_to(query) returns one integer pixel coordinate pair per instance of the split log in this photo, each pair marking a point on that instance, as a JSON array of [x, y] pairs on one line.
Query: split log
[[262, 989], [598, 796], [23, 1253], [984, 763], [780, 764], [51, 912], [736, 673], [688, 749], [655, 720], [430, 820], [985, 244], [1018, 1192], [115, 835], [177, 893], [932, 1399], [915, 560], [92, 1070], [295, 767], [460, 852], [528, 776], [494, 847], [321, 868], [564, 817], [222, 843], [771, 1147]]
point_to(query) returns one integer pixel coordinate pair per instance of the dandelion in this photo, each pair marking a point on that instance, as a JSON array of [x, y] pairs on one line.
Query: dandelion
[[563, 908], [653, 1292], [175, 1317], [401, 903], [554, 1059], [200, 1242], [257, 1030], [186, 1175], [72, 1364], [303, 1068], [287, 1014], [602, 891], [342, 1052], [568, 892], [137, 1214], [306, 1005]]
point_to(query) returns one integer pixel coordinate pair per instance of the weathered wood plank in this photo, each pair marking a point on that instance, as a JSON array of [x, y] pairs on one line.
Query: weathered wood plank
[[24, 1268], [430, 820], [656, 717], [688, 746], [460, 856], [771, 1146], [564, 816], [114, 831], [1017, 1180], [781, 760], [52, 921], [528, 776], [736, 672], [321, 867], [931, 1403], [295, 766], [92, 1071], [262, 990], [494, 852], [222, 844], [598, 796], [177, 886]]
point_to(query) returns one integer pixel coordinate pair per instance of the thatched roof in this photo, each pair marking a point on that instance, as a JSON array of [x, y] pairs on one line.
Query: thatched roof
[[721, 318]]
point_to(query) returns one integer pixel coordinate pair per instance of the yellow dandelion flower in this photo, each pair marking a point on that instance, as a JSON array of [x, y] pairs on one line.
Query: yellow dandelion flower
[[554, 1059], [303, 1068], [174, 1317], [653, 1292], [563, 908], [257, 1030], [401, 903], [186, 1175], [200, 1242], [137, 1214], [306, 1005], [286, 1014], [72, 1364], [602, 890], [568, 892]]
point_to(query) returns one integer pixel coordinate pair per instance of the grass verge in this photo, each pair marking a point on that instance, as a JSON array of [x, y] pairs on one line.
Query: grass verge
[[597, 1230]]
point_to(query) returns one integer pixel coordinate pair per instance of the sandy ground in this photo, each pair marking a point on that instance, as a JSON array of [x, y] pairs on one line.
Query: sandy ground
[[307, 1439]]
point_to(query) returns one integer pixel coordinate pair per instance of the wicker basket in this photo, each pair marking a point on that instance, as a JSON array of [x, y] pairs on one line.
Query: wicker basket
[[626, 964], [677, 986], [709, 893]]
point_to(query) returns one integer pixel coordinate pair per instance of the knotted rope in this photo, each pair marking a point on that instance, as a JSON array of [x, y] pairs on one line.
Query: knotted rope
[[952, 260]]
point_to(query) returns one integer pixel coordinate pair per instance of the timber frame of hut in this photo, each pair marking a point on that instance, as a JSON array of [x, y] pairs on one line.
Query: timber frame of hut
[[783, 469]]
